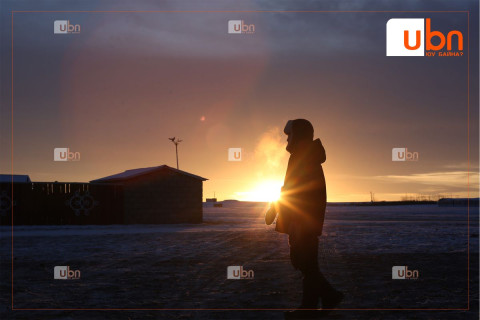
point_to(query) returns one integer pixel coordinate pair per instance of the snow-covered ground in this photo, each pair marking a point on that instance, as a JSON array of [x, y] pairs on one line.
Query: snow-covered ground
[[184, 266]]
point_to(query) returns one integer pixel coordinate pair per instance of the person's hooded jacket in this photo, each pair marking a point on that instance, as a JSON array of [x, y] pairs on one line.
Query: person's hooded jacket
[[304, 197]]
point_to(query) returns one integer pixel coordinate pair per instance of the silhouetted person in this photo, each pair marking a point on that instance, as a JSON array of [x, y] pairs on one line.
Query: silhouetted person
[[301, 212]]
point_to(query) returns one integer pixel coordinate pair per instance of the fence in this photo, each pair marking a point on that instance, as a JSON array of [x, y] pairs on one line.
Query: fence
[[57, 203]]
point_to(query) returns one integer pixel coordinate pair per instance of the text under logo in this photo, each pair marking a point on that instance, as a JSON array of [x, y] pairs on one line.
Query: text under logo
[[237, 272], [64, 273], [64, 27], [64, 154], [402, 154], [414, 37]]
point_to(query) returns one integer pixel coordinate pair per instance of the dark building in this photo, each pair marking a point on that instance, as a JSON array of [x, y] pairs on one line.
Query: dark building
[[15, 178], [159, 195]]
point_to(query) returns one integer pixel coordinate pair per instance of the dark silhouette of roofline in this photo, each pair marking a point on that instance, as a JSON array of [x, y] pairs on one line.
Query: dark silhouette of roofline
[[134, 173], [16, 178]]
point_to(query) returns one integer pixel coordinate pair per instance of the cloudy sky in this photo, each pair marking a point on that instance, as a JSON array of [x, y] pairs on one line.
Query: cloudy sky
[[128, 81]]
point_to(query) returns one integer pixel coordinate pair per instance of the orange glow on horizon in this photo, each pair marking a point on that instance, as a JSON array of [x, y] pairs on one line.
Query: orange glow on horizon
[[265, 191]]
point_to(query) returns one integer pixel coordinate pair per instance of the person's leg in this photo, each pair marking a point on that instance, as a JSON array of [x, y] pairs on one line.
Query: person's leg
[[309, 269], [315, 283], [300, 252], [304, 254], [330, 297]]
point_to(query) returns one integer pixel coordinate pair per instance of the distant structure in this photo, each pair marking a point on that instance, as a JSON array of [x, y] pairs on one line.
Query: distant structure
[[159, 195], [16, 178], [458, 202], [213, 201], [151, 195], [176, 142]]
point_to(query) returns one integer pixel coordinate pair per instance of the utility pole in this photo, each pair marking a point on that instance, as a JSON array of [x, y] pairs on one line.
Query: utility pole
[[176, 142]]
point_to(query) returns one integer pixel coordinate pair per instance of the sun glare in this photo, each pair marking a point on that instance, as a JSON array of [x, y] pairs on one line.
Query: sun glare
[[265, 191]]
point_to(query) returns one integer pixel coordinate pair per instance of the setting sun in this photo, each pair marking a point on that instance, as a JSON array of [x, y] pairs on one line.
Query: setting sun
[[264, 191]]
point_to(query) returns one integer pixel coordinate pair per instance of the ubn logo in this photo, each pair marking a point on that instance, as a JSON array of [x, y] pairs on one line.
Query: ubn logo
[[402, 272], [237, 272], [64, 27], [64, 154], [402, 154], [234, 154], [411, 37], [64, 273], [239, 26]]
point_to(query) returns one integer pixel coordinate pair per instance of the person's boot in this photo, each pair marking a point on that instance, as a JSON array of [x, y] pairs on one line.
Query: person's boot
[[303, 314], [324, 287], [309, 307], [330, 297], [331, 301]]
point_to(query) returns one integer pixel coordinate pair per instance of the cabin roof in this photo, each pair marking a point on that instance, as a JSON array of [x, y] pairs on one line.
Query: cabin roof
[[133, 173]]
